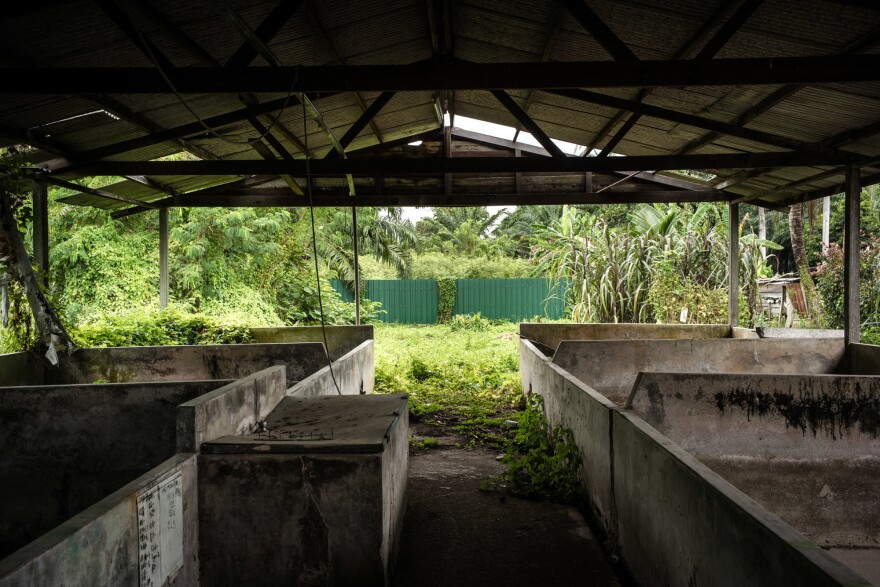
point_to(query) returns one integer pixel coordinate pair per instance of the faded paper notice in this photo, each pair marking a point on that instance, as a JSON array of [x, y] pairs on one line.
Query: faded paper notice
[[160, 531]]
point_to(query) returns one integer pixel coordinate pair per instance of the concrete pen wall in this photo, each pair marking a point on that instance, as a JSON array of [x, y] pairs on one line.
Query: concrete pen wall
[[611, 366], [671, 519], [66, 447], [99, 546], [164, 363], [354, 373]]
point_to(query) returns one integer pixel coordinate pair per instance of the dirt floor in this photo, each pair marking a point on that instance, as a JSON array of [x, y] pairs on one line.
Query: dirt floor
[[455, 534]]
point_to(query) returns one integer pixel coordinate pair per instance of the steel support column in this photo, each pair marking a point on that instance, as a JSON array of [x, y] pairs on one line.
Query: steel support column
[[163, 258], [733, 264], [851, 250], [357, 271], [41, 229]]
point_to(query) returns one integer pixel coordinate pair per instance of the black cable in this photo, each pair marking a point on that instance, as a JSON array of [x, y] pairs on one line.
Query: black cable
[[315, 250]]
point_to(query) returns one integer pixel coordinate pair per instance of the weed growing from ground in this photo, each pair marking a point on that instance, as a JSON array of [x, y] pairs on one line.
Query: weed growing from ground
[[542, 463], [462, 380]]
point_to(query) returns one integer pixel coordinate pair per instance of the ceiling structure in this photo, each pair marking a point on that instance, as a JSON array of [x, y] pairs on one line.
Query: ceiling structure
[[773, 99]]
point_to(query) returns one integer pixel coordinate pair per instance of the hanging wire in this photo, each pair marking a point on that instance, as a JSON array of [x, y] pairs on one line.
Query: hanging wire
[[315, 249], [202, 123]]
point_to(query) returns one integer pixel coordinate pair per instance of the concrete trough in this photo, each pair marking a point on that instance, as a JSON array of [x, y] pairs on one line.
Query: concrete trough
[[672, 519], [99, 453], [317, 498], [163, 363], [804, 447], [66, 447]]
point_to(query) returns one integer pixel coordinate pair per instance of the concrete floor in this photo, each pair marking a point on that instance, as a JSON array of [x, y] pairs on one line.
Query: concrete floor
[[455, 534]]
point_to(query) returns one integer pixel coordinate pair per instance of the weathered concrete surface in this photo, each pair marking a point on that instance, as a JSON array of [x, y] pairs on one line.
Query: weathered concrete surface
[[330, 424], [99, 546], [66, 447], [571, 404], [804, 447], [340, 339], [679, 523], [610, 367], [552, 334], [674, 521], [864, 359], [456, 534], [235, 408], [305, 519], [355, 373], [798, 333], [178, 363], [740, 332], [800, 417], [21, 369]]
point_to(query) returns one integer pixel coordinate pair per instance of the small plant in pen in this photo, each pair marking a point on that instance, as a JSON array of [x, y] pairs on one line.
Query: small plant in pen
[[542, 462]]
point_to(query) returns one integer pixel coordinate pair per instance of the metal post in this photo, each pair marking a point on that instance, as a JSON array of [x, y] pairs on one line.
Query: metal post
[[41, 229], [851, 246], [357, 271], [163, 258], [733, 265], [826, 223]]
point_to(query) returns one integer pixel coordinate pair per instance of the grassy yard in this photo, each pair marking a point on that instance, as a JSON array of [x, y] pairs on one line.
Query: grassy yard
[[461, 377]]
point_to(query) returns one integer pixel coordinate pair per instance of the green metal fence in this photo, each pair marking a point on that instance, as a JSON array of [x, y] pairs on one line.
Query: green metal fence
[[414, 301], [507, 299]]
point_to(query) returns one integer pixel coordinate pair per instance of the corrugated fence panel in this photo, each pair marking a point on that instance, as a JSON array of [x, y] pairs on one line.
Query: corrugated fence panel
[[411, 301], [509, 299], [342, 290]]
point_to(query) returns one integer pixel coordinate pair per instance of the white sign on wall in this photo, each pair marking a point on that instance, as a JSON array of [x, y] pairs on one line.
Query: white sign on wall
[[160, 531]]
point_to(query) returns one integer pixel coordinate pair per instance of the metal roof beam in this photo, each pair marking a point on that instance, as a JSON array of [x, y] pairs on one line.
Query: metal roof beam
[[706, 123], [98, 193], [864, 42], [364, 119], [526, 121], [319, 26], [599, 30], [246, 182], [277, 198], [452, 75], [434, 165], [265, 32], [709, 50]]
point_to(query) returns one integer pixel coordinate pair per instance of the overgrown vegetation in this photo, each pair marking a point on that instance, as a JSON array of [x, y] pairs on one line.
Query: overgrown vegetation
[[830, 285], [460, 379], [542, 462], [668, 264]]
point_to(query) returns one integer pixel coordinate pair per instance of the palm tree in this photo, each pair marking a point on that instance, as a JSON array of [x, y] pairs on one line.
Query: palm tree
[[382, 232]]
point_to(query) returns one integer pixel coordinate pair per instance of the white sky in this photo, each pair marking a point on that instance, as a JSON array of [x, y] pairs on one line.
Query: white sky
[[495, 130]]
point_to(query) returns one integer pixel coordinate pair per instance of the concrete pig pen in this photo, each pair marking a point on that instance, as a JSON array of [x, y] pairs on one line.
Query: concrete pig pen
[[69, 442], [804, 447], [672, 519]]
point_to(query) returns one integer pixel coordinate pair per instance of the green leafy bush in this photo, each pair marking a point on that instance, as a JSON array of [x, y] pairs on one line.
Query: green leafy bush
[[829, 283], [446, 293], [542, 463], [168, 327], [472, 322], [443, 265]]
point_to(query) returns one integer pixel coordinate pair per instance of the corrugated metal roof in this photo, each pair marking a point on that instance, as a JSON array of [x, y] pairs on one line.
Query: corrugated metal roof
[[397, 31]]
